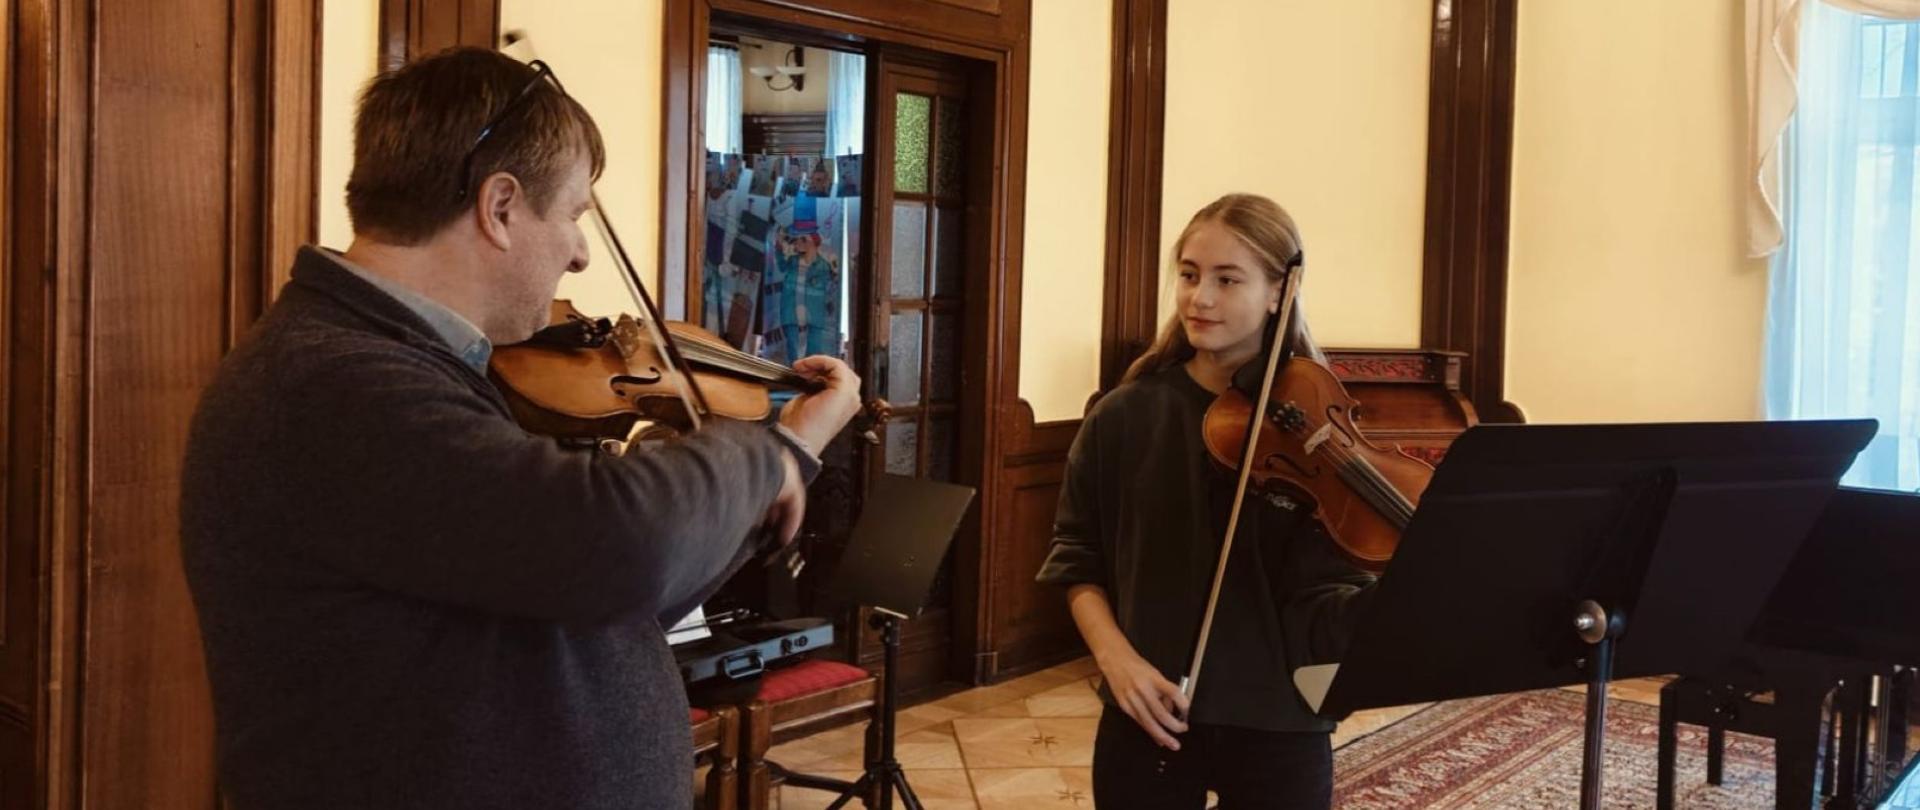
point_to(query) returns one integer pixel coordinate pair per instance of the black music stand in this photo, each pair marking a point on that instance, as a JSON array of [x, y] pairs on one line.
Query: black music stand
[[1535, 545], [889, 565]]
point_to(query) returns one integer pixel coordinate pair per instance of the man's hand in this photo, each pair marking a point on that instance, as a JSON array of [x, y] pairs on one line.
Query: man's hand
[[819, 416]]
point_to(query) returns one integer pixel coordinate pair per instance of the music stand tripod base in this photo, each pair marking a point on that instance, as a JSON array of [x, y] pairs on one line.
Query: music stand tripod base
[[889, 564]]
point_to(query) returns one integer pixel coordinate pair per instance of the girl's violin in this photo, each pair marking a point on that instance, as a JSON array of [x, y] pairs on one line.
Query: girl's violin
[[1299, 433], [609, 380], [1309, 447]]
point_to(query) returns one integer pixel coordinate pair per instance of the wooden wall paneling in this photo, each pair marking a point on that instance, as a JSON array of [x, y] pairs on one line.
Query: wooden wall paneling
[[156, 189], [161, 311], [1030, 624], [1469, 168]]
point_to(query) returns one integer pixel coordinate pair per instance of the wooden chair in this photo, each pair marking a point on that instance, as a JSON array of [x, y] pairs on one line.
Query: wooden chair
[[716, 742], [791, 702]]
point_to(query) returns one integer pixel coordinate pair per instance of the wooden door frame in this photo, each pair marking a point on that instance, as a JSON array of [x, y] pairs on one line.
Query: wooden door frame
[[1469, 167], [993, 35], [410, 29]]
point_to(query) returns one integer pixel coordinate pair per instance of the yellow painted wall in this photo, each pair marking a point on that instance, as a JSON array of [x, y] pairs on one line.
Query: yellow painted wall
[[350, 37], [1063, 270], [607, 53], [1323, 107], [1629, 299]]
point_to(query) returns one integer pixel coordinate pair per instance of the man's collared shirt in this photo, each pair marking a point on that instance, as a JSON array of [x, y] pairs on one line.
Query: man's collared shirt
[[466, 340]]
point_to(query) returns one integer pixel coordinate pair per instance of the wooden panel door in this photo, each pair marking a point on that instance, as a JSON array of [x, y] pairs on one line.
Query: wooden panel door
[[162, 175], [916, 303]]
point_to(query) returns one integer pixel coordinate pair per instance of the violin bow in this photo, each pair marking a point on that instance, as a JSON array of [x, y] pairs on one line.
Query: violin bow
[[688, 390], [1290, 287]]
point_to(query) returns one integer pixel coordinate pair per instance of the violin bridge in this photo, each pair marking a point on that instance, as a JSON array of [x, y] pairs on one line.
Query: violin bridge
[[627, 337], [1318, 438]]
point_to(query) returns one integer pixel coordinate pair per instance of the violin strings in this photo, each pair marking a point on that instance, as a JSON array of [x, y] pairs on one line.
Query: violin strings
[[737, 362], [1401, 509], [1366, 480]]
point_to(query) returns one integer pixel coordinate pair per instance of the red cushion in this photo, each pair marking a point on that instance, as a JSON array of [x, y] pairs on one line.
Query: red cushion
[[806, 678], [700, 715]]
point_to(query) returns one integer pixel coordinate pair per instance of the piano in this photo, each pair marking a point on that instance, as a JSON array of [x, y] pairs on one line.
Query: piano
[[1845, 613], [1408, 397]]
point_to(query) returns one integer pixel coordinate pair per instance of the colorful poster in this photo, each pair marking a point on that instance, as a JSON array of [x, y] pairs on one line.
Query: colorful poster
[[781, 235], [800, 297]]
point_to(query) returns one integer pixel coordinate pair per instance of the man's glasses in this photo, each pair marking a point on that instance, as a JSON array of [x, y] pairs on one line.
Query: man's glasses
[[541, 72]]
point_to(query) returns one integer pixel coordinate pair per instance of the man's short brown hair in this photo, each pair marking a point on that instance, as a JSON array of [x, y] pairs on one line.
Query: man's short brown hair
[[416, 125]]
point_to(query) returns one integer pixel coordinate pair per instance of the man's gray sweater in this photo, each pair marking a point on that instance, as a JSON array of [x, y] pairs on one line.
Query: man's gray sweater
[[407, 601]]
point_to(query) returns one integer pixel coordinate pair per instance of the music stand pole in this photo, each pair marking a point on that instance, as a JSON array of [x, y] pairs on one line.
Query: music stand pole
[[1598, 628], [883, 773], [889, 566]]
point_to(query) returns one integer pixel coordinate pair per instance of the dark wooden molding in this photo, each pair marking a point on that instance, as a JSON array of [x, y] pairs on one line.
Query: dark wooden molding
[[50, 71], [1469, 170], [1136, 134], [410, 29], [683, 98], [973, 28], [288, 189]]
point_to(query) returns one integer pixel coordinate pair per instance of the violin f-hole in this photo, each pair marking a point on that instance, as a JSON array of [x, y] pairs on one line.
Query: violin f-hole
[[616, 381]]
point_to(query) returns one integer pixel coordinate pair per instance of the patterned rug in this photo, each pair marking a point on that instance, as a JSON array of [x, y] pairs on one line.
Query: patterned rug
[[1524, 751]]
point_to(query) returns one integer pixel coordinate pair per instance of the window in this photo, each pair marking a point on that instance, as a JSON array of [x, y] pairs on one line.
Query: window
[[1843, 319]]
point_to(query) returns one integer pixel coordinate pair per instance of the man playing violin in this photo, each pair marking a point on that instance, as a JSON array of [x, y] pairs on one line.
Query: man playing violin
[[406, 599]]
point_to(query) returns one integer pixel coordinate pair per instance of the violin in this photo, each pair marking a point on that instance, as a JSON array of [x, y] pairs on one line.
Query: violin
[[1308, 447], [1298, 435], [610, 380]]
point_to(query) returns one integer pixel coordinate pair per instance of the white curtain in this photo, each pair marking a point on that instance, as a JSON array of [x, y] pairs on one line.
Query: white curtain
[[1773, 50], [846, 103], [724, 107], [1843, 319]]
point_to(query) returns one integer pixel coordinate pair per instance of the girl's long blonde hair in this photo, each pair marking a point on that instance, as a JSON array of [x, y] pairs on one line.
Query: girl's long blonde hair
[[1267, 230]]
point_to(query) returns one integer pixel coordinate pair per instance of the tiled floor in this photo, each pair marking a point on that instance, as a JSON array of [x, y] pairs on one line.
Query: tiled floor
[[1025, 743], [1028, 743]]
